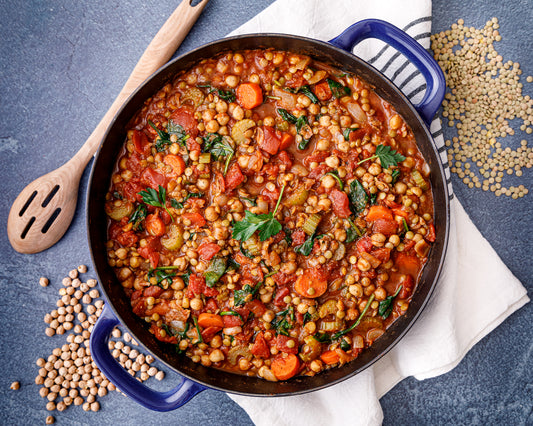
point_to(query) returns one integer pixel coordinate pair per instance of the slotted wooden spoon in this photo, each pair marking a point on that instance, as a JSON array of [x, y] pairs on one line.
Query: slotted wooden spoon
[[42, 212]]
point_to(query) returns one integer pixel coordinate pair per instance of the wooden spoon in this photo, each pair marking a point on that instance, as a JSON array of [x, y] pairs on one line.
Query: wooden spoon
[[42, 212]]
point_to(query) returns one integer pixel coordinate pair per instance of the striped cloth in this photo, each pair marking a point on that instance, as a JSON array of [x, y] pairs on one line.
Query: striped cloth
[[450, 325]]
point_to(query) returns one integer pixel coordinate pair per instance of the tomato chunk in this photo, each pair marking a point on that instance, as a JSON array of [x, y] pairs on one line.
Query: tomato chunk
[[184, 116], [269, 142], [206, 251], [340, 203], [234, 177], [260, 347]]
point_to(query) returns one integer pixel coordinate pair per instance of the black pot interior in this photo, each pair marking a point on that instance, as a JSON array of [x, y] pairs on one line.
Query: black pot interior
[[96, 218]]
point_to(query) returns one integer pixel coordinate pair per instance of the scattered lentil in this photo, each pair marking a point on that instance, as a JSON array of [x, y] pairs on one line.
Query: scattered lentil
[[484, 96]]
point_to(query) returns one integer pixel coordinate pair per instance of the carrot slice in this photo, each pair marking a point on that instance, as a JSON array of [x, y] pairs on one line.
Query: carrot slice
[[330, 357], [286, 141], [176, 162], [285, 367], [206, 319], [311, 284], [249, 95], [378, 212]]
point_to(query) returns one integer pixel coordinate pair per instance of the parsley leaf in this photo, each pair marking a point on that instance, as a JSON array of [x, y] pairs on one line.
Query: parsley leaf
[[156, 198], [266, 224], [385, 306], [358, 197], [337, 89], [387, 156], [138, 216]]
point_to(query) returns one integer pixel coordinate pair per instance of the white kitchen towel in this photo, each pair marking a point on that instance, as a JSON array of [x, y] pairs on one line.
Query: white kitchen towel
[[451, 324]]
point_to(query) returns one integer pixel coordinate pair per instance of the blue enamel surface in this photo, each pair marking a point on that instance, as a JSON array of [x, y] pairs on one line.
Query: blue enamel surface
[[428, 67]]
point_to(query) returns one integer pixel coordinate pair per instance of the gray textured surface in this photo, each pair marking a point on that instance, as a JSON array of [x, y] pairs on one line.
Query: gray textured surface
[[62, 64]]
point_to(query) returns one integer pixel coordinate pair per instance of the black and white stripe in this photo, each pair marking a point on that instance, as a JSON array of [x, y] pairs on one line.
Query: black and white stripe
[[410, 81]]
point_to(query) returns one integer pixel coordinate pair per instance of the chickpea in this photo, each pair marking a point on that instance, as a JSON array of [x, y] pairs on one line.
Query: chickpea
[[238, 113], [395, 122], [322, 145], [216, 356], [356, 290], [374, 169], [232, 81], [212, 126], [380, 293], [244, 364], [211, 214], [202, 184], [363, 265], [222, 119], [328, 181], [400, 188], [332, 161], [221, 106], [196, 304], [269, 121], [268, 316]]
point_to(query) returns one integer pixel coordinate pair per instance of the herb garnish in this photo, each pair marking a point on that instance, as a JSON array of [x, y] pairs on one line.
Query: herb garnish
[[346, 132], [233, 313], [164, 137], [226, 95], [284, 321], [240, 297], [395, 175], [387, 156], [265, 223], [215, 270], [180, 204], [356, 323], [156, 198], [220, 147], [385, 306], [337, 89], [353, 232], [306, 90], [307, 247], [138, 216], [163, 273], [335, 174], [299, 122], [195, 321], [358, 197]]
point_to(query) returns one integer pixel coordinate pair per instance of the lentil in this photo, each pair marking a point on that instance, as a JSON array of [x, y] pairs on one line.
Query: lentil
[[484, 96]]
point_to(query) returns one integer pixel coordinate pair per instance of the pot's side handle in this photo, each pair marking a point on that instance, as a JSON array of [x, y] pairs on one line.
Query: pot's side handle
[[158, 401], [405, 44]]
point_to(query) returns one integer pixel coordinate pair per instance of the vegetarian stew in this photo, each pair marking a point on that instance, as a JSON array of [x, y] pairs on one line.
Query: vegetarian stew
[[269, 215]]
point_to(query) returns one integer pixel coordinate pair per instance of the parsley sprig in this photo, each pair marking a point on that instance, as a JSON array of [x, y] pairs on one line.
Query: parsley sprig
[[156, 198], [387, 156], [265, 223]]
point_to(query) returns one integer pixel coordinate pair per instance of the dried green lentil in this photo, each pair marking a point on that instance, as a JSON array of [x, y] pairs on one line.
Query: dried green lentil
[[485, 95]]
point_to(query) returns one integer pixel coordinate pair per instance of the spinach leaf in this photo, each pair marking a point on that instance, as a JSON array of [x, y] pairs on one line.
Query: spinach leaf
[[284, 321], [358, 197], [306, 90], [163, 273], [232, 313], [356, 323], [322, 337], [215, 270], [335, 174], [337, 89], [227, 95], [303, 143], [395, 176], [246, 294], [385, 306], [346, 132], [307, 247], [138, 216], [180, 204]]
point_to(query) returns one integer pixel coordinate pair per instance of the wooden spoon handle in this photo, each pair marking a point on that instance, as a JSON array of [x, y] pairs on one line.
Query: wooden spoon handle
[[158, 52]]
